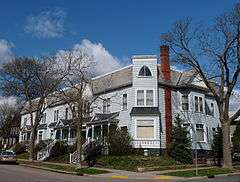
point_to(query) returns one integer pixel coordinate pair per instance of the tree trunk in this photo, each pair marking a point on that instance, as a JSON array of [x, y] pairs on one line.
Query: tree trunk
[[227, 156], [32, 144], [79, 142]]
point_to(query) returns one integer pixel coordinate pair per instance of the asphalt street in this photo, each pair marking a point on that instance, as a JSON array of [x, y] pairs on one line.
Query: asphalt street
[[15, 173]]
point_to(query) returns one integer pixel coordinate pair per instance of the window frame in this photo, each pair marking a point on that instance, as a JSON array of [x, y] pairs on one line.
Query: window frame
[[183, 95], [145, 69], [124, 102], [203, 129], [145, 119], [144, 97], [56, 115], [198, 106]]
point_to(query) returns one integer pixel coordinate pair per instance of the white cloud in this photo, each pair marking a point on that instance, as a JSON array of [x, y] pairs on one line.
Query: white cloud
[[12, 101], [47, 24], [103, 60], [5, 51]]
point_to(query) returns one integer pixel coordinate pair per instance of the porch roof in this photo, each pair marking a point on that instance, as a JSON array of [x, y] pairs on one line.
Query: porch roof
[[42, 126], [100, 118]]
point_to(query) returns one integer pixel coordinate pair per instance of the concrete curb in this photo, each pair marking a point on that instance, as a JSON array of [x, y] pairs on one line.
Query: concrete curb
[[49, 169], [215, 176]]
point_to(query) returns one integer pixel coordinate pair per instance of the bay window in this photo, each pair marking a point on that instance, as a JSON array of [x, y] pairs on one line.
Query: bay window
[[145, 129]]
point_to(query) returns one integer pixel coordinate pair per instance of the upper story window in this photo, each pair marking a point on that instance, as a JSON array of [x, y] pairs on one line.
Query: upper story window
[[149, 97], [198, 104], [106, 105], [24, 121], [145, 98], [44, 118], [140, 97], [56, 112], [209, 108], [66, 113], [124, 102], [144, 71], [185, 105]]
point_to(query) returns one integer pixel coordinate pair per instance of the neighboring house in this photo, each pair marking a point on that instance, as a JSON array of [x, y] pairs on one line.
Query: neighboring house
[[143, 98], [11, 134]]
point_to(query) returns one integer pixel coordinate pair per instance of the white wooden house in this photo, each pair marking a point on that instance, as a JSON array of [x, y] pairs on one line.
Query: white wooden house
[[143, 98]]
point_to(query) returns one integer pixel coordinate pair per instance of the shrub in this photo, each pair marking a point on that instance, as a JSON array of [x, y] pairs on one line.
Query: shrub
[[20, 148], [119, 142], [92, 151], [180, 147], [60, 148], [40, 145]]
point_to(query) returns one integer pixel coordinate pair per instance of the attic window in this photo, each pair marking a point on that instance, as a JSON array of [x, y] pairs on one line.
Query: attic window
[[144, 71]]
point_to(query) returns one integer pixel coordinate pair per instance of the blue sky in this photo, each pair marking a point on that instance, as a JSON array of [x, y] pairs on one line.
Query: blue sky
[[123, 28]]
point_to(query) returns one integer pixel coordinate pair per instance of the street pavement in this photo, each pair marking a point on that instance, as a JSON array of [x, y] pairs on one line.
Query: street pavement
[[15, 173]]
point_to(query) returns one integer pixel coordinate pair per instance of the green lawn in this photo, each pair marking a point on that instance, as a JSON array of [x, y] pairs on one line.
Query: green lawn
[[68, 168], [201, 172], [132, 162], [23, 156]]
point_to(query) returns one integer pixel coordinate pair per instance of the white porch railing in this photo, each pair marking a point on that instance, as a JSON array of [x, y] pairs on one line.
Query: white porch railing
[[44, 153], [74, 156], [146, 143]]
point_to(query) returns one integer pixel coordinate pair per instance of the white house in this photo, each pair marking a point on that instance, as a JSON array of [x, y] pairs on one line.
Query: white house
[[143, 98]]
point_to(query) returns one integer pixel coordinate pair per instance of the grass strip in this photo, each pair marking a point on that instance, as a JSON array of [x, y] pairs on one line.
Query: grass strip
[[201, 172]]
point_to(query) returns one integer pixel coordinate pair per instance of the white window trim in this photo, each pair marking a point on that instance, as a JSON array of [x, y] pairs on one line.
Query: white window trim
[[204, 133], [127, 102], [145, 97], [143, 119], [203, 104], [180, 107]]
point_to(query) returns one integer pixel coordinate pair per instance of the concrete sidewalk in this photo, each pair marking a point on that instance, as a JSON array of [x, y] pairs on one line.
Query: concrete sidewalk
[[122, 174]]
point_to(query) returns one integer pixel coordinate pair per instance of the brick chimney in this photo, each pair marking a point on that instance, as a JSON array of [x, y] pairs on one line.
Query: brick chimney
[[165, 69], [165, 66]]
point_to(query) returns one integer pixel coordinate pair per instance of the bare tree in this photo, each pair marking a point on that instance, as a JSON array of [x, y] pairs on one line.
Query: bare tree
[[76, 91], [214, 52], [31, 80]]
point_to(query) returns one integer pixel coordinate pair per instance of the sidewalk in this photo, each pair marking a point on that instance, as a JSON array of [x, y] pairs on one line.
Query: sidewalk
[[121, 174]]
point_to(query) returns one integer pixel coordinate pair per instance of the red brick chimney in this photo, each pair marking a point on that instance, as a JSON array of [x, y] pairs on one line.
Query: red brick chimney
[[166, 72], [165, 66]]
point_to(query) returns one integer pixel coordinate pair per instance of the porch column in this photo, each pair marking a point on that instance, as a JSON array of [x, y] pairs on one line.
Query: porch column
[[108, 128], [61, 134], [69, 131], [86, 132], [101, 131], [92, 132]]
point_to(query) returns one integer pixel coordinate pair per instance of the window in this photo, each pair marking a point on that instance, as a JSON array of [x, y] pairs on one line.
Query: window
[[51, 134], [212, 109], [73, 133], [66, 113], [200, 132], [185, 105], [106, 105], [145, 129], [40, 136], [149, 97], [209, 109], [145, 98], [140, 97], [44, 118], [145, 71], [24, 121], [124, 102], [56, 115], [198, 104]]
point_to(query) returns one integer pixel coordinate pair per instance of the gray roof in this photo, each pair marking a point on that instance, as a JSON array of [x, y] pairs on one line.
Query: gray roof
[[145, 111], [42, 126]]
